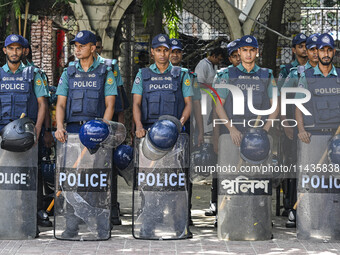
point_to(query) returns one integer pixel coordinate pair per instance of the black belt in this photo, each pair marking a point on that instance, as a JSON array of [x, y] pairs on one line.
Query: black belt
[[80, 123]]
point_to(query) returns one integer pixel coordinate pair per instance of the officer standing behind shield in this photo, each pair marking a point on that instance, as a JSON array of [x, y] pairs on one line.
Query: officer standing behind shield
[[156, 92], [91, 98], [161, 53], [86, 91], [315, 131], [290, 138], [12, 93], [176, 57], [299, 51], [248, 51]]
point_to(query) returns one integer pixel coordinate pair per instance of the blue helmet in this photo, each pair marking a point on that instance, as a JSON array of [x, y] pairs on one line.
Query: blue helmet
[[334, 150], [123, 156], [92, 134], [123, 160], [162, 137], [255, 146]]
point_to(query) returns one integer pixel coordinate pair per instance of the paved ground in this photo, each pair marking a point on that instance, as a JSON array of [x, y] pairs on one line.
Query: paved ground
[[204, 241]]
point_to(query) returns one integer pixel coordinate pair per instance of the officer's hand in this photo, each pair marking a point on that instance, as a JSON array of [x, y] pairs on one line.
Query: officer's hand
[[48, 139], [60, 134], [289, 131], [236, 136], [140, 132], [304, 136]]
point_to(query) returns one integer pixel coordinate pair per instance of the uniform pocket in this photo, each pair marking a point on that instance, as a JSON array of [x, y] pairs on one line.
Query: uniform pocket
[[92, 102], [20, 105], [153, 105], [322, 110], [6, 107], [77, 102], [169, 105]]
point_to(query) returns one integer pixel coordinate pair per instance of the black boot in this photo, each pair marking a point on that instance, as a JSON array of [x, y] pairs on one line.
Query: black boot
[[43, 219], [291, 223]]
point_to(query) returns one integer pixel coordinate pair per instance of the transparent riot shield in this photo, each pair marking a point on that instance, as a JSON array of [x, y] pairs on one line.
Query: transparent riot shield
[[244, 196], [160, 197], [318, 192], [83, 192], [18, 194]]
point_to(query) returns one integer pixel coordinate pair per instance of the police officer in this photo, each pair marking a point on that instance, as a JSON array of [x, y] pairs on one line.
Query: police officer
[[14, 50], [248, 49], [299, 51], [121, 104], [86, 91], [173, 88], [31, 88], [289, 140], [176, 57], [314, 131], [46, 138], [233, 56]]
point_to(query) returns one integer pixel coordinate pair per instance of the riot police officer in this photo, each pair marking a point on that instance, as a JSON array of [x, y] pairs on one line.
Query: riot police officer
[[245, 77], [22, 91], [86, 91], [315, 128], [299, 51], [290, 133], [121, 104], [176, 57], [233, 56], [161, 89]]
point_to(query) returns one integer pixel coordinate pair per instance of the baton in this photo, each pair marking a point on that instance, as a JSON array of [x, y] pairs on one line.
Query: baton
[[75, 165], [322, 159]]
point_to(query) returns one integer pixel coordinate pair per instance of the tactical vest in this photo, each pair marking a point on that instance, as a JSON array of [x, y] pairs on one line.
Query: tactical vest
[[261, 99], [324, 104], [162, 95], [17, 95], [288, 67], [86, 98]]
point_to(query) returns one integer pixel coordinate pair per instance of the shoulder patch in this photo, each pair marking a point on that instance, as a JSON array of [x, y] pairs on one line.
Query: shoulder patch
[[137, 80], [187, 82], [45, 83], [38, 82], [115, 73], [109, 81]]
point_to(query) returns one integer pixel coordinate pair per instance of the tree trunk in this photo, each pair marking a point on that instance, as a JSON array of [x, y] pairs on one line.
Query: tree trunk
[[158, 21], [13, 22], [271, 39]]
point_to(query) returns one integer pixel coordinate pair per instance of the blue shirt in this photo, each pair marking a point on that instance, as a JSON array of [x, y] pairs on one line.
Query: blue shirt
[[110, 84], [39, 88], [303, 80], [186, 84], [224, 79]]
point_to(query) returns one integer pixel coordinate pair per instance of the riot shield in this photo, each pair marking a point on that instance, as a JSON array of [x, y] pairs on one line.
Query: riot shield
[[244, 196], [318, 192], [160, 197], [18, 194], [83, 187]]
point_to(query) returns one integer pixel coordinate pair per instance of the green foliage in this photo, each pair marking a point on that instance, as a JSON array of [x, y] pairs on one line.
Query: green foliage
[[169, 10], [17, 6]]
